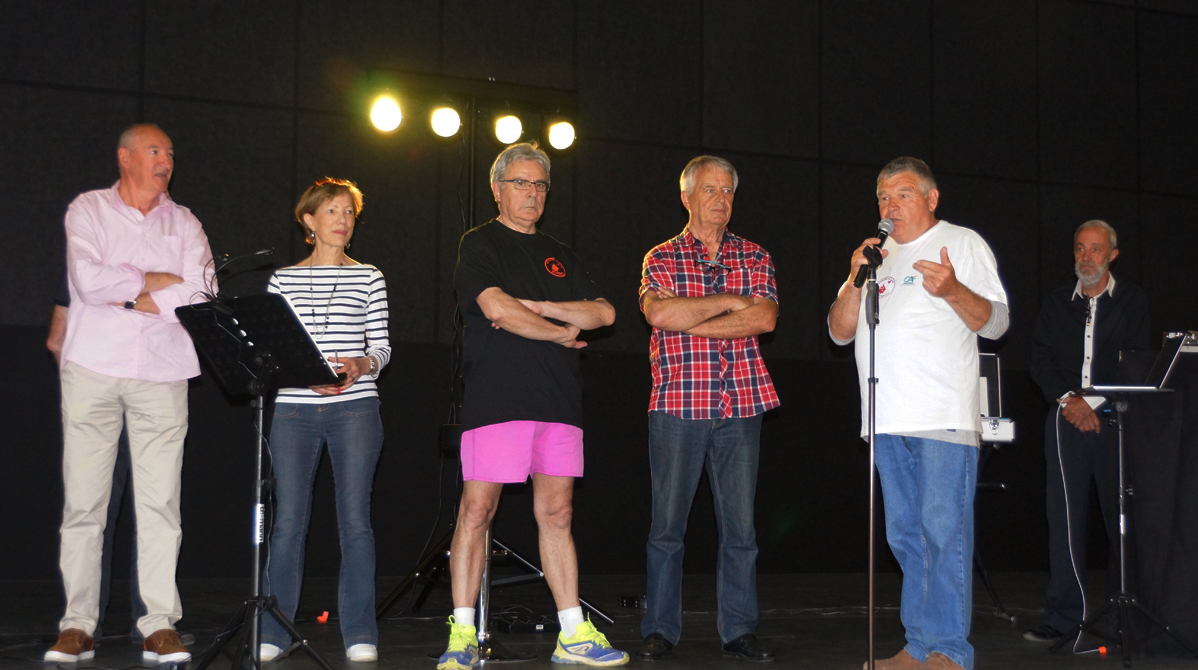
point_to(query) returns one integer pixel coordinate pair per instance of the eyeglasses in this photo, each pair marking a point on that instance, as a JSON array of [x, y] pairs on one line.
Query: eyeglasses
[[710, 266], [524, 184]]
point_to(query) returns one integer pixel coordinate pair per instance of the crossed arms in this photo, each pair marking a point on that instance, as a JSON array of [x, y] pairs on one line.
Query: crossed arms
[[99, 281], [723, 316], [529, 318]]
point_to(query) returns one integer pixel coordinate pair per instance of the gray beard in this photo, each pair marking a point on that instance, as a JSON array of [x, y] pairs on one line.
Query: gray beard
[[1089, 279]]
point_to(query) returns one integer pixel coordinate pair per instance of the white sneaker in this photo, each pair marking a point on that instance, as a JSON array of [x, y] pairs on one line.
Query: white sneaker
[[363, 653], [268, 652]]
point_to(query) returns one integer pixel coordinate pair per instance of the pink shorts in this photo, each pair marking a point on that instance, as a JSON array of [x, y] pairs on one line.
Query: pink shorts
[[509, 453]]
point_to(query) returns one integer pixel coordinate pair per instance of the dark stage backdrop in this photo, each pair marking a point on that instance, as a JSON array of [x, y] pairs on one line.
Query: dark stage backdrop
[[1036, 115]]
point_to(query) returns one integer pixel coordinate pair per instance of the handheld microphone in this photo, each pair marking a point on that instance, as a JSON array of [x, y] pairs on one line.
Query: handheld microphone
[[885, 227]]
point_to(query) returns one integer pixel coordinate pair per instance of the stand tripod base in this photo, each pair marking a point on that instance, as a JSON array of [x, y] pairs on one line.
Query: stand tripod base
[[245, 619], [437, 557], [999, 611], [494, 652], [1124, 604]]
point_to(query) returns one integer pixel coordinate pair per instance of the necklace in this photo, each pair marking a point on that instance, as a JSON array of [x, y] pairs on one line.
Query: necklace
[[322, 327]]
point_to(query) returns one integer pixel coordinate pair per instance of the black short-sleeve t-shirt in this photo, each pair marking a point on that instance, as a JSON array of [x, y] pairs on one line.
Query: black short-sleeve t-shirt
[[508, 377]]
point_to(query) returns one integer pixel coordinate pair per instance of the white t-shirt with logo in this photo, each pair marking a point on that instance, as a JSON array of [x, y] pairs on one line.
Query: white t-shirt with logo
[[926, 358]]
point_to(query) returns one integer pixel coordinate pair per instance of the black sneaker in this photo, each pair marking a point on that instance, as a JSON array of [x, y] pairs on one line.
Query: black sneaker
[[1044, 633]]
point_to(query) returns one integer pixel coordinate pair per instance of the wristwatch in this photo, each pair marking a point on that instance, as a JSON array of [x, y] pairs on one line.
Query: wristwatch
[[130, 304]]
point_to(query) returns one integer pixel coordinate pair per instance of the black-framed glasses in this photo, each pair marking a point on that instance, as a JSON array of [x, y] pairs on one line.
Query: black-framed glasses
[[710, 266], [524, 184]]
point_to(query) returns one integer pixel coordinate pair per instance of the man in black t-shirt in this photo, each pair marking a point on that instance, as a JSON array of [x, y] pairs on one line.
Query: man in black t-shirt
[[525, 297]]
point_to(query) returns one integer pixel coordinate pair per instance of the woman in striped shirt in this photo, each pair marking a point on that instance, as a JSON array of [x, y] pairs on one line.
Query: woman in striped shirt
[[343, 304]]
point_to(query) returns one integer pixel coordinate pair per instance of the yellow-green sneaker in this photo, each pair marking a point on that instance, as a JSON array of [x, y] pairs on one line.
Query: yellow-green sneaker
[[462, 653], [587, 647]]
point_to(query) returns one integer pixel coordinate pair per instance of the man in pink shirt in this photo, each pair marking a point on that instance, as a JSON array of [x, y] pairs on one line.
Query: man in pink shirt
[[133, 256]]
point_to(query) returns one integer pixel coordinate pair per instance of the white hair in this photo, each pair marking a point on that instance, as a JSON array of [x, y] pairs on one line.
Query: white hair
[[516, 153], [686, 183], [1098, 223]]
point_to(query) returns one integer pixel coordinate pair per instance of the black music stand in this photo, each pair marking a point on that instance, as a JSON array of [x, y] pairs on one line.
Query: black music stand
[[1125, 601], [256, 344]]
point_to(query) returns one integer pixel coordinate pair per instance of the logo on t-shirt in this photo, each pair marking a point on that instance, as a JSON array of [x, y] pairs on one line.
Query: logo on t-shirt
[[885, 286], [554, 267], [909, 280]]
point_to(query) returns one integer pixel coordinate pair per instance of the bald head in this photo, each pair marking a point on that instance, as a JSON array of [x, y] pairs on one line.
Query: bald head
[[146, 158]]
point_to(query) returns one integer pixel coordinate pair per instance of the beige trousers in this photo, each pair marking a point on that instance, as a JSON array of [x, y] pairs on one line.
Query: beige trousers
[[155, 414]]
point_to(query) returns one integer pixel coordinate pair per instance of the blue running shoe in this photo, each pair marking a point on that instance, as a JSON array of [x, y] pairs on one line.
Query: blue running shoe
[[587, 647], [462, 653]]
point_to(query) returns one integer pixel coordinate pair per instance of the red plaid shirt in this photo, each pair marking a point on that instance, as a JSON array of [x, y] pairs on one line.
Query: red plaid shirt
[[698, 377]]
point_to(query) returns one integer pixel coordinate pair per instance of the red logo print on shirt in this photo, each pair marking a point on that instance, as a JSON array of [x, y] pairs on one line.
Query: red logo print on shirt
[[554, 267]]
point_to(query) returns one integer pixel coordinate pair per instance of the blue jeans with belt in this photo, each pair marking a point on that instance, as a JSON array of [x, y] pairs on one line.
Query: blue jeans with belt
[[678, 451], [927, 491], [353, 432]]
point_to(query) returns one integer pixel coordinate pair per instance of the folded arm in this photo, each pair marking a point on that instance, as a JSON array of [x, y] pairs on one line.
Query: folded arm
[[96, 281], [664, 309], [197, 272], [755, 319], [511, 315], [585, 314]]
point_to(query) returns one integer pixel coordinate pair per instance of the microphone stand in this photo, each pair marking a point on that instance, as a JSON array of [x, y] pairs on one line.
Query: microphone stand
[[871, 318]]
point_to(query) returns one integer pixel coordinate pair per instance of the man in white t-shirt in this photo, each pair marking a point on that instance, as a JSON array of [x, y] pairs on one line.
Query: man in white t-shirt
[[938, 289]]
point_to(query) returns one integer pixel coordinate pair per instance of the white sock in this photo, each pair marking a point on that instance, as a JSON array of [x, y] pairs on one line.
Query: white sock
[[569, 620], [464, 615]]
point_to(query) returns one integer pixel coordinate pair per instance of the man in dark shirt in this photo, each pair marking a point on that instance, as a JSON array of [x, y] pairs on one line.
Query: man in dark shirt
[[525, 297], [1081, 329]]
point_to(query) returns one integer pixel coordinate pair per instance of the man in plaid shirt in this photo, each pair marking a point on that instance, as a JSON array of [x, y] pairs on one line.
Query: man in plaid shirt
[[708, 294]]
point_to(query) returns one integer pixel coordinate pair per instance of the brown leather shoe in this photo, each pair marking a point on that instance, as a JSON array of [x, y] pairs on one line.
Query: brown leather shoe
[[73, 646], [900, 661], [939, 661], [164, 647]]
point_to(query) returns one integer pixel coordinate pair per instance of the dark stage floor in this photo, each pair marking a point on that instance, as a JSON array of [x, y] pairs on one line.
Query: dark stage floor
[[810, 621]]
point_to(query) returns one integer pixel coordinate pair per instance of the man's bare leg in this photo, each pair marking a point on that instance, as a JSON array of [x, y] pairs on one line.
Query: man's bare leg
[[467, 554], [553, 504]]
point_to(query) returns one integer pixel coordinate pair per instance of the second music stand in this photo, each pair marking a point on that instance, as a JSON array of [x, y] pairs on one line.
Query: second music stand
[[256, 344]]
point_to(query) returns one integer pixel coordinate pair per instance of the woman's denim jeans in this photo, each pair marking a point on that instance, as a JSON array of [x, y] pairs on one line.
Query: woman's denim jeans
[[354, 434]]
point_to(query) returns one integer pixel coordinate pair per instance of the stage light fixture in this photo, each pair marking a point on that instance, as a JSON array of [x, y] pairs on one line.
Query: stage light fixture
[[385, 114], [508, 129], [561, 135], [445, 121]]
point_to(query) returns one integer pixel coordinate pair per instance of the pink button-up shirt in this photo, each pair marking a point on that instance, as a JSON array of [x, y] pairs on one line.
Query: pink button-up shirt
[[110, 247]]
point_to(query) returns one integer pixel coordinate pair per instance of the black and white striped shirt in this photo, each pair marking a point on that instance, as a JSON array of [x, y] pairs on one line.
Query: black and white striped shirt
[[344, 308]]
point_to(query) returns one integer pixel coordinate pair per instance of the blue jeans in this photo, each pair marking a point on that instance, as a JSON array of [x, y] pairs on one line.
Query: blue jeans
[[678, 450], [927, 490], [354, 434]]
